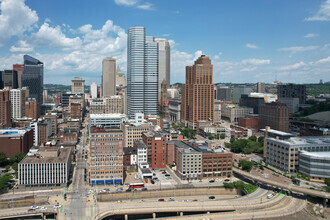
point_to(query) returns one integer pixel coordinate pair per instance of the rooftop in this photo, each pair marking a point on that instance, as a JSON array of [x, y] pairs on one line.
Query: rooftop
[[320, 155], [308, 140], [46, 155], [107, 116], [140, 144]]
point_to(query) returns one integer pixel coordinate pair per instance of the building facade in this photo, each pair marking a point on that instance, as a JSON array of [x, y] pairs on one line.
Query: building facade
[[17, 101], [292, 91], [10, 79], [93, 90], [198, 93], [274, 115], [164, 62], [78, 85], [49, 167], [108, 105], [233, 112], [261, 87], [174, 106], [106, 157], [14, 141], [5, 113], [133, 133], [142, 72], [292, 103], [239, 91], [223, 93], [109, 77], [315, 165], [32, 108], [20, 69], [33, 77]]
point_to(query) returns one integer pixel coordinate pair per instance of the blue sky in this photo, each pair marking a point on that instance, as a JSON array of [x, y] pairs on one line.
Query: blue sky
[[247, 41]]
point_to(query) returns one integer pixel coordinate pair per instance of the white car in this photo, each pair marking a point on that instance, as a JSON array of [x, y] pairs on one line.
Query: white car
[[57, 206], [43, 208], [34, 207], [269, 196]]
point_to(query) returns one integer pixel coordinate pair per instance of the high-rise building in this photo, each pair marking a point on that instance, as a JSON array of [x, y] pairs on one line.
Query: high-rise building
[[108, 105], [33, 77], [239, 91], [292, 91], [106, 164], [261, 87], [120, 78], [93, 90], [45, 96], [17, 101], [223, 93], [32, 108], [275, 115], [109, 77], [198, 93], [142, 73], [20, 69], [164, 63], [10, 79], [78, 85], [5, 109], [1, 80]]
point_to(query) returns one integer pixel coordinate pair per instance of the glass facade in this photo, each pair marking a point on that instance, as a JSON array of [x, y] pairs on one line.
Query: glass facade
[[142, 72], [33, 77]]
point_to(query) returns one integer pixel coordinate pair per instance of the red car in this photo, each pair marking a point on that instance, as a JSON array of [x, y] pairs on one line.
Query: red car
[[161, 200]]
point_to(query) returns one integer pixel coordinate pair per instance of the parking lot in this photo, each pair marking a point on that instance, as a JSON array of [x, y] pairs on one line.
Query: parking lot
[[161, 180]]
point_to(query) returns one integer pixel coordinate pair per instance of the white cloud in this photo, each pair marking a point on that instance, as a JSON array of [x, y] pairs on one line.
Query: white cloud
[[310, 35], [248, 69], [54, 37], [254, 61], [323, 14], [216, 57], [293, 66], [15, 19], [298, 49], [126, 2], [21, 47], [324, 60], [251, 46], [146, 6]]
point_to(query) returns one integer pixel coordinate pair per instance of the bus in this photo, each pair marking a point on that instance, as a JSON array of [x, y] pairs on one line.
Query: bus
[[136, 185]]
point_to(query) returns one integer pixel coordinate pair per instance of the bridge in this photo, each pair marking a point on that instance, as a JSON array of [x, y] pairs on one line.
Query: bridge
[[289, 187]]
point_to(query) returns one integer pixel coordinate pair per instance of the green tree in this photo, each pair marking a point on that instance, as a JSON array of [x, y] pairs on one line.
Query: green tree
[[189, 133], [246, 165], [4, 181], [7, 168], [3, 159], [15, 167], [253, 138], [327, 181], [17, 158], [261, 140], [222, 136], [232, 139], [211, 137]]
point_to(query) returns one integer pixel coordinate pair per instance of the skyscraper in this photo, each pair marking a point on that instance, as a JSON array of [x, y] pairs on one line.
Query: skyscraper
[[20, 69], [292, 91], [17, 101], [4, 109], [164, 63], [93, 90], [198, 92], [10, 79], [223, 93], [108, 77], [78, 85], [239, 91], [33, 77], [142, 72], [261, 87], [275, 115]]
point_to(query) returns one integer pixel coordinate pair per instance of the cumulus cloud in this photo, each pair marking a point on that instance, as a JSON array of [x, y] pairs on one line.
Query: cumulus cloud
[[135, 3], [310, 35], [323, 14], [251, 46], [324, 60], [293, 66], [248, 69], [15, 19], [298, 49], [254, 61], [21, 47], [54, 37], [126, 2], [146, 6]]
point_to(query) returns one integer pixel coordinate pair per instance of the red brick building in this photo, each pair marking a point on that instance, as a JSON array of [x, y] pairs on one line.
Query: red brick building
[[4, 109], [170, 151], [156, 152], [32, 109], [75, 111], [249, 122], [13, 141], [275, 115]]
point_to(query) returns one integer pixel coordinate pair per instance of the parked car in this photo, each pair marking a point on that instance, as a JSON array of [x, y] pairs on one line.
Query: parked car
[[34, 207], [276, 174], [167, 175], [171, 199], [57, 206], [212, 197], [269, 196], [195, 200], [119, 189], [144, 189], [227, 180], [211, 181], [152, 181], [31, 210], [128, 190], [43, 208], [161, 200], [164, 172]]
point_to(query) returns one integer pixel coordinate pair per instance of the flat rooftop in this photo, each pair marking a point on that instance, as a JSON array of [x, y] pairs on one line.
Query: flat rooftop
[[308, 140], [62, 157], [320, 154]]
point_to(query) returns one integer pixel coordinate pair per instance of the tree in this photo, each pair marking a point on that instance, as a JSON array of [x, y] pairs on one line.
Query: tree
[[222, 136], [232, 139], [253, 138], [211, 137], [246, 165], [327, 181], [17, 158], [261, 140], [15, 167], [7, 168], [3, 159], [189, 133]]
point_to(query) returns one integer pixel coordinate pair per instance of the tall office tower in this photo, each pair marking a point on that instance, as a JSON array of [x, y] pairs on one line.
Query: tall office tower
[[292, 91], [32, 108], [198, 92], [106, 164], [78, 85], [33, 77], [164, 58], [20, 69], [275, 115], [4, 109], [17, 101], [261, 87], [45, 96], [223, 93], [142, 73], [93, 90], [10, 79], [1, 80], [240, 90], [108, 77]]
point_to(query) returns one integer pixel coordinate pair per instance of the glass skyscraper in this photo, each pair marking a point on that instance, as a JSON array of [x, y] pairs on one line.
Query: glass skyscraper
[[33, 77], [142, 73]]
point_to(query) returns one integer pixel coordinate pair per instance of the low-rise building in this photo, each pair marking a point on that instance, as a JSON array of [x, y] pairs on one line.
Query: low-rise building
[[48, 167], [133, 132], [315, 165], [174, 106], [233, 112], [141, 151], [14, 141]]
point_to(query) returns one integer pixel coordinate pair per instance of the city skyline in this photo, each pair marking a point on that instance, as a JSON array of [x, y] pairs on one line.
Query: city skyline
[[247, 42]]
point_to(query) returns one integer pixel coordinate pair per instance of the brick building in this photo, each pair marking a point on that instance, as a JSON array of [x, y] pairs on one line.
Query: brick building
[[249, 122], [291, 90], [274, 115], [13, 141], [32, 108], [4, 109], [75, 110]]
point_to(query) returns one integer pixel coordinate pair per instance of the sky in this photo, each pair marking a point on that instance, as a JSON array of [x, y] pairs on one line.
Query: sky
[[247, 40]]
